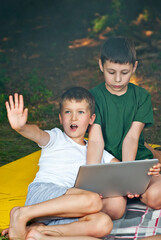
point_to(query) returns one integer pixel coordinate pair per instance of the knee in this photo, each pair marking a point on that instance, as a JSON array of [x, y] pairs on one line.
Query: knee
[[115, 213], [103, 226], [115, 209], [119, 209], [152, 198], [93, 202]]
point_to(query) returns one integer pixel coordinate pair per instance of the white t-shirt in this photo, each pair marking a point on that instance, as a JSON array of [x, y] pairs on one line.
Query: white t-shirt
[[61, 158]]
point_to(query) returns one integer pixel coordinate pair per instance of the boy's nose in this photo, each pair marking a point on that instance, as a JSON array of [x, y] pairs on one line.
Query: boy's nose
[[74, 116], [118, 78]]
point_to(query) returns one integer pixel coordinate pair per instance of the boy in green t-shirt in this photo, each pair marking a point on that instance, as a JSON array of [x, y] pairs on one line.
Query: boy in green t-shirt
[[122, 111]]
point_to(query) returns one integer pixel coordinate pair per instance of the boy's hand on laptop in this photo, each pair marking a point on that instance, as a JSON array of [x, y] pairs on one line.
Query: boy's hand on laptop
[[133, 195], [155, 170]]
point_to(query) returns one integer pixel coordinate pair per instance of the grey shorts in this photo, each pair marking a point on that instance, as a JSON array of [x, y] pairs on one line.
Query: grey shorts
[[39, 192]]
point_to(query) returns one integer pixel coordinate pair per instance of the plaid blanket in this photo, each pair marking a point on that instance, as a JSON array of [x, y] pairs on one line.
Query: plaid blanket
[[138, 221]]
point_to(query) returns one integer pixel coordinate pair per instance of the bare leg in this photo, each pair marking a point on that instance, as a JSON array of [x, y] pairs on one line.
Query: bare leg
[[152, 196], [156, 153], [95, 225], [75, 203], [115, 207], [35, 235]]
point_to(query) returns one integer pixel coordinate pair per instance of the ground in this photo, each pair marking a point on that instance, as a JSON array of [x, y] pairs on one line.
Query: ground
[[58, 41]]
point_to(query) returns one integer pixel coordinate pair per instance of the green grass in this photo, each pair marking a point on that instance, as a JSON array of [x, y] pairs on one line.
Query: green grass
[[3, 238], [13, 145]]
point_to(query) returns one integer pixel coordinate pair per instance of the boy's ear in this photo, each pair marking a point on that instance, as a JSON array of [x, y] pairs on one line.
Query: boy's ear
[[92, 118], [135, 66], [60, 118], [100, 65]]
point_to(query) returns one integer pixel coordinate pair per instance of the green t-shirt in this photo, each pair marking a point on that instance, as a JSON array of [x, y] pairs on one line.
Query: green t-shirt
[[115, 114]]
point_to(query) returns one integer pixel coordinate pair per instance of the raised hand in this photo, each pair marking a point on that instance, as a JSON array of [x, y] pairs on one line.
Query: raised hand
[[16, 113], [155, 170]]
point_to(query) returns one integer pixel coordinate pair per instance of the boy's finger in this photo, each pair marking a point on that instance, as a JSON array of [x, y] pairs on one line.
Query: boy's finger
[[26, 112], [16, 100], [7, 106], [153, 173], [155, 170], [11, 102], [137, 195], [130, 195], [158, 165], [21, 103]]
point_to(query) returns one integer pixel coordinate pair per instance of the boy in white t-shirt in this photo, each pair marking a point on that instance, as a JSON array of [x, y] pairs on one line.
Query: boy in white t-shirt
[[68, 211]]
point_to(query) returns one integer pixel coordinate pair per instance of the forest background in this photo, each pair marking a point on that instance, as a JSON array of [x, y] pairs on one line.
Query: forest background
[[47, 46]]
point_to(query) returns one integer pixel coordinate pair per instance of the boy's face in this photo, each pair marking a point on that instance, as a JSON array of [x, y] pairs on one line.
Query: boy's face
[[117, 76], [75, 118]]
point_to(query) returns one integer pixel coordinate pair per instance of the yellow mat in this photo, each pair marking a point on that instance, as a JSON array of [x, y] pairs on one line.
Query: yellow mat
[[14, 180]]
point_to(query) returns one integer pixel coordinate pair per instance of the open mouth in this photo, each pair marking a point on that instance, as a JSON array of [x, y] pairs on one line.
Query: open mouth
[[73, 126]]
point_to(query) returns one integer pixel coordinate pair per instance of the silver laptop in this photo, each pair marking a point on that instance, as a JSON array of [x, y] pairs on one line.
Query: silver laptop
[[115, 179]]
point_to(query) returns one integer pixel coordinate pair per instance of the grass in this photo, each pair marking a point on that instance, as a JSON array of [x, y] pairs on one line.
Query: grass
[[3, 238], [13, 145], [37, 98]]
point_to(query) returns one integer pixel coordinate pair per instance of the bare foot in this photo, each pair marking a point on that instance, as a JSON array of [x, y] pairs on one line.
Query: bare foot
[[44, 230], [33, 234], [5, 232], [17, 227], [37, 226]]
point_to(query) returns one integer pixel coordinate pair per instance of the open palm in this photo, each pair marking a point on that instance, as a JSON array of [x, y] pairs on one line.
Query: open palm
[[16, 113]]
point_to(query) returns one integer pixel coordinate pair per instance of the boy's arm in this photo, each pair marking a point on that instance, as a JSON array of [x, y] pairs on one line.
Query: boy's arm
[[95, 144], [17, 117], [130, 143]]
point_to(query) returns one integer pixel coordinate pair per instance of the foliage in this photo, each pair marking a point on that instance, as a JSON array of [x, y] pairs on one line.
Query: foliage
[[123, 17], [36, 96], [3, 238], [3, 79], [111, 18], [100, 23], [3, 98], [155, 67], [41, 112], [3, 58]]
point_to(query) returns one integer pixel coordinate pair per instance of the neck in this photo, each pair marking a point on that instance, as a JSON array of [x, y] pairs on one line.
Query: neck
[[79, 141], [116, 93]]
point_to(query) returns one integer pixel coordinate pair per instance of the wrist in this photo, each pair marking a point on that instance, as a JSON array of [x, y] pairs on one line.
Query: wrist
[[19, 129]]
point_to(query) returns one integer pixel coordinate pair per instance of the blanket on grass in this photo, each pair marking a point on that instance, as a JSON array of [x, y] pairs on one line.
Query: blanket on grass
[[138, 221]]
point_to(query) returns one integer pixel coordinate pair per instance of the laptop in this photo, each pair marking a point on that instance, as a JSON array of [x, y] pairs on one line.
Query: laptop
[[116, 178]]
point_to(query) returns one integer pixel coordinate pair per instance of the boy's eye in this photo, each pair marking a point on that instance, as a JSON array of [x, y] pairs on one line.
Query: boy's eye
[[111, 72], [67, 112], [125, 73], [81, 112]]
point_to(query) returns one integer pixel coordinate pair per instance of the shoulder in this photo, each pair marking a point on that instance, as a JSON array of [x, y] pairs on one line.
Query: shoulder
[[98, 88], [140, 94], [99, 92], [55, 131], [138, 89], [55, 135]]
